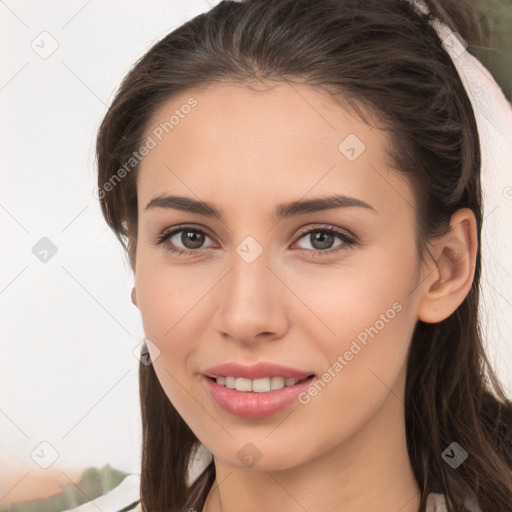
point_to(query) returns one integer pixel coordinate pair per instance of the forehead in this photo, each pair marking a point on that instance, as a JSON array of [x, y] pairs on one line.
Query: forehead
[[267, 142]]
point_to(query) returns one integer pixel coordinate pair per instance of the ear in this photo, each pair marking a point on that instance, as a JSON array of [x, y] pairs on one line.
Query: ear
[[449, 281], [134, 296]]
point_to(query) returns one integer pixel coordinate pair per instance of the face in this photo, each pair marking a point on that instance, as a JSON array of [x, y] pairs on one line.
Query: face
[[325, 296]]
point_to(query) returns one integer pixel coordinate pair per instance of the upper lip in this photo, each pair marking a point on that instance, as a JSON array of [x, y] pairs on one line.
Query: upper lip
[[255, 371]]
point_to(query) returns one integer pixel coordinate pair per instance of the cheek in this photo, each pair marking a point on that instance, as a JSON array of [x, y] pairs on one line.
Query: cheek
[[380, 319], [371, 353], [168, 297], [169, 310], [169, 305], [368, 352], [167, 316], [367, 320], [364, 363], [370, 300]]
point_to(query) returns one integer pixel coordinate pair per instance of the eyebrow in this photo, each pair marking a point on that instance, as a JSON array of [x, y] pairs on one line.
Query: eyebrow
[[281, 211]]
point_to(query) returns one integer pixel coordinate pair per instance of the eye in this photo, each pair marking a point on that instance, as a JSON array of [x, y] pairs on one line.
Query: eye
[[322, 239], [191, 238]]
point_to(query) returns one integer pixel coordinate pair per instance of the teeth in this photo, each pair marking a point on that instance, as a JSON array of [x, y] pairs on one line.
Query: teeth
[[257, 385], [277, 382], [261, 385], [243, 384]]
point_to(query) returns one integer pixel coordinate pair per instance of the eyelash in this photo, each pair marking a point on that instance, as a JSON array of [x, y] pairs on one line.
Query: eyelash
[[347, 240]]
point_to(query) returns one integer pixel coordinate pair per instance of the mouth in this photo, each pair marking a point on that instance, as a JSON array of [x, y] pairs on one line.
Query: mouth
[[255, 398]]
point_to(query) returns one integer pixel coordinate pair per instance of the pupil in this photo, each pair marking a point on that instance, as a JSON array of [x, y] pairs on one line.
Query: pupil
[[195, 243], [322, 237]]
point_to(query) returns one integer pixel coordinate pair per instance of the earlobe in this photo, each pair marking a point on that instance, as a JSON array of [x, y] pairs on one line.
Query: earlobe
[[452, 277], [134, 296]]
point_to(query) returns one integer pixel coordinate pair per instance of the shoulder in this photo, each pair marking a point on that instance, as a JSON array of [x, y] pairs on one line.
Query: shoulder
[[123, 498]]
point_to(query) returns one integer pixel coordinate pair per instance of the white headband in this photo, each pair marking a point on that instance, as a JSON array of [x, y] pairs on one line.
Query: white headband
[[492, 111]]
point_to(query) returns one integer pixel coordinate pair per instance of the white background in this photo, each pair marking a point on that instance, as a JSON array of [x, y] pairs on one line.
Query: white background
[[68, 375]]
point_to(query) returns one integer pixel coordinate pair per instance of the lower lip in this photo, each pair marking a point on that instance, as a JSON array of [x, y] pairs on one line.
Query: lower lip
[[253, 405]]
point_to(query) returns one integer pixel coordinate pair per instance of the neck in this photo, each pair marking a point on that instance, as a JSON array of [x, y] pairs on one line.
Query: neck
[[369, 471]]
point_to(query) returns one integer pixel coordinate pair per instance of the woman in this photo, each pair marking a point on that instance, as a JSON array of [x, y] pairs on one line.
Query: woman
[[297, 186]]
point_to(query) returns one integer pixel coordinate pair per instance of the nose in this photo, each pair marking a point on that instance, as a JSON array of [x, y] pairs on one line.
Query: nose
[[250, 303]]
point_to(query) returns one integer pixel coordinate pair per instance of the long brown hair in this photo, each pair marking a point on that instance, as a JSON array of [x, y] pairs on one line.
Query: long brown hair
[[378, 56]]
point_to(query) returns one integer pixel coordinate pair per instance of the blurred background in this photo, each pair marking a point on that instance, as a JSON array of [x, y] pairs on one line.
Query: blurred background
[[68, 371]]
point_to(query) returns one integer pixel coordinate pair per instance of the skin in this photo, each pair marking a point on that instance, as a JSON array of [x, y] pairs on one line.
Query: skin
[[246, 150]]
